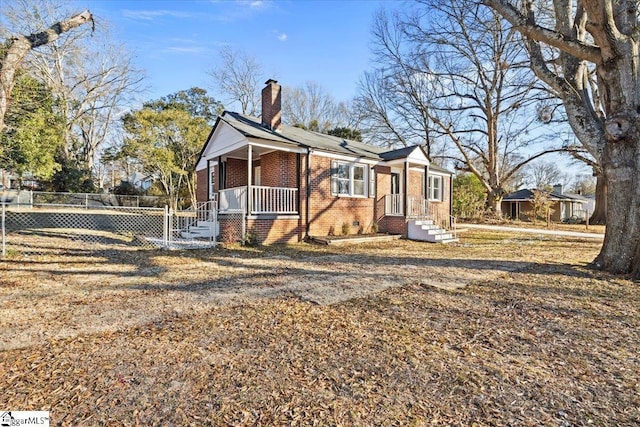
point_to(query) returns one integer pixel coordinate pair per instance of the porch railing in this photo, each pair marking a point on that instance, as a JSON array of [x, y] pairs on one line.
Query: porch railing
[[417, 207], [394, 204], [265, 200], [279, 200]]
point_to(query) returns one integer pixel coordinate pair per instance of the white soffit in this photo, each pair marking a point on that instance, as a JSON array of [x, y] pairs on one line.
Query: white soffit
[[345, 158]]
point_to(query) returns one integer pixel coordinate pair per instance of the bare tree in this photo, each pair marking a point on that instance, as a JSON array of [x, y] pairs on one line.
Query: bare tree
[[541, 205], [584, 184], [460, 75], [311, 107], [94, 82], [391, 102], [599, 215], [237, 77], [564, 44], [17, 48], [92, 78], [544, 175]]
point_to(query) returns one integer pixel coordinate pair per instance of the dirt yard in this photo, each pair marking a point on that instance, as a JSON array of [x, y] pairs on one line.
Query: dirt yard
[[496, 330]]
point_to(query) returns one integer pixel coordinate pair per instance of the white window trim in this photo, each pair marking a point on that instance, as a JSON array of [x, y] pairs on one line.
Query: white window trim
[[431, 188], [212, 182], [352, 166]]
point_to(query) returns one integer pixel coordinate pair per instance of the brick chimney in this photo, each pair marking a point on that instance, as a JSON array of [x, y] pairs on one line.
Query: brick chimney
[[271, 105], [557, 188]]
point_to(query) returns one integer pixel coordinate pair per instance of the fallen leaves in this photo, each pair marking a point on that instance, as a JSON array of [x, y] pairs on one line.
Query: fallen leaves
[[540, 344]]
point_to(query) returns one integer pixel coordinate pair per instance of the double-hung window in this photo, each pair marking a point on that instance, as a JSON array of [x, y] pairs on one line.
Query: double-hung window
[[348, 179], [435, 188]]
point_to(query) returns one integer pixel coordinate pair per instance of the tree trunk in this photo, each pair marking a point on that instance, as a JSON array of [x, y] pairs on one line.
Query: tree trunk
[[620, 253], [19, 46], [493, 204], [599, 215]]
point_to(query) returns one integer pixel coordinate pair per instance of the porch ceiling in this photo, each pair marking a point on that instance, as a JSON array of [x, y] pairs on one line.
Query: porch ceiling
[[258, 150]]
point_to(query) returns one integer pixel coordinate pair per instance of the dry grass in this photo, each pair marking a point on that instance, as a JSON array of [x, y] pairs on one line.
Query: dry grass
[[312, 335]]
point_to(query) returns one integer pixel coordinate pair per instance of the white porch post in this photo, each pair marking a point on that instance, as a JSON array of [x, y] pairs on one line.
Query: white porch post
[[406, 188], [249, 176]]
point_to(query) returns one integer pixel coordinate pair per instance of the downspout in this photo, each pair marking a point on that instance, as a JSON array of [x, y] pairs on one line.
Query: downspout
[[406, 188], [426, 191], [307, 195], [450, 200], [249, 177], [298, 182]]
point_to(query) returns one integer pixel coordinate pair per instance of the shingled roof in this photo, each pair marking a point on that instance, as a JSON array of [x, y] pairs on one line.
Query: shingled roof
[[526, 194], [252, 127]]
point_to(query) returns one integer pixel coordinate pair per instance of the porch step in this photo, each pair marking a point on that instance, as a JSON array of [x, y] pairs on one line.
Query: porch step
[[203, 230], [452, 240], [426, 231]]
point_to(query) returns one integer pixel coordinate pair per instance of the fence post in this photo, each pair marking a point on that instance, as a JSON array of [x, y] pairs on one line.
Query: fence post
[[4, 247], [587, 219], [165, 228], [216, 225], [31, 199]]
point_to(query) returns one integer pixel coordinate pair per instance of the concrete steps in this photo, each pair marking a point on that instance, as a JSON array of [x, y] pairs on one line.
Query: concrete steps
[[425, 230], [201, 230]]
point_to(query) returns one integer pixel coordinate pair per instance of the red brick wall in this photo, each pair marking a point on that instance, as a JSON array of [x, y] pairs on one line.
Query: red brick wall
[[328, 213], [269, 231], [272, 105], [236, 173], [393, 225], [201, 186], [278, 169], [416, 183]]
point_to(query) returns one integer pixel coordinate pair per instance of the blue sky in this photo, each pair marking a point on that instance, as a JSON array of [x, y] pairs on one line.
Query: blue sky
[[176, 42]]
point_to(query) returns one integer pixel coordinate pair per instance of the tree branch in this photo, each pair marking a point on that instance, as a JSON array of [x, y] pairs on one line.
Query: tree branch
[[553, 38], [19, 46]]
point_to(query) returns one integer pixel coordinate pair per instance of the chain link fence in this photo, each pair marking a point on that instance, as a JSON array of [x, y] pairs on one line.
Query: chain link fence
[[86, 200], [33, 229]]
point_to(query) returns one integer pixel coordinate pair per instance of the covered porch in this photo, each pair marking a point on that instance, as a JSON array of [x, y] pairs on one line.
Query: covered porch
[[407, 187], [257, 178], [406, 206]]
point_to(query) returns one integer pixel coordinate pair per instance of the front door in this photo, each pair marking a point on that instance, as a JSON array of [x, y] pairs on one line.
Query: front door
[[395, 183], [256, 176]]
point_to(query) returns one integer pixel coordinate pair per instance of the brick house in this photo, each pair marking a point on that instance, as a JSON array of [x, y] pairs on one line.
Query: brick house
[[564, 206], [293, 184]]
